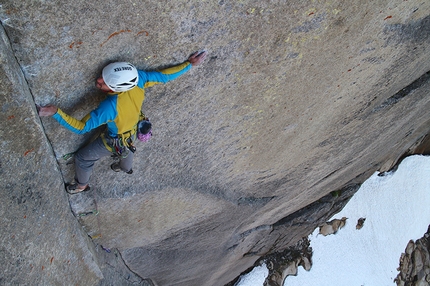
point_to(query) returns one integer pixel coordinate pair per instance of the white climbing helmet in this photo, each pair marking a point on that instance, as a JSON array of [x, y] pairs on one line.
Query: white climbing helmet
[[120, 76]]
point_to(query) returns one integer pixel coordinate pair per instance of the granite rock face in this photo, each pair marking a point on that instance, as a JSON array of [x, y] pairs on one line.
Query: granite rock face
[[296, 100], [41, 242], [415, 263]]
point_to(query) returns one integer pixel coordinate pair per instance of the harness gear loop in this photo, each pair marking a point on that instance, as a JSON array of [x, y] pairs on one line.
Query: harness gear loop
[[121, 144]]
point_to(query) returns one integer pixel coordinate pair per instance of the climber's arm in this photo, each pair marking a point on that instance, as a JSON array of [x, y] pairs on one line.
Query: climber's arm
[[147, 79], [101, 115]]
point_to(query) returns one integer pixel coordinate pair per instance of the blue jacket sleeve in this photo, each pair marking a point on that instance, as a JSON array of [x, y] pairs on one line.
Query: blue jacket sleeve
[[104, 113], [147, 79]]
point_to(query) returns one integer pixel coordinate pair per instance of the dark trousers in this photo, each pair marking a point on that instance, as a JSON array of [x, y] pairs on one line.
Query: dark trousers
[[87, 156]]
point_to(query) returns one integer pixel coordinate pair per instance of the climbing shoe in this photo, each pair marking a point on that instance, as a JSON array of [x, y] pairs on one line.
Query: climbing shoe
[[116, 168], [74, 189]]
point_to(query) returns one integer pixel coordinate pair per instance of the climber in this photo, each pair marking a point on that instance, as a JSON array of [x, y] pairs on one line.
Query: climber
[[120, 111]]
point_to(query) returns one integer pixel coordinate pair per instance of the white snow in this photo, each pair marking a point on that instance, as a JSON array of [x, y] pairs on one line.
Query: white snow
[[255, 277], [396, 208]]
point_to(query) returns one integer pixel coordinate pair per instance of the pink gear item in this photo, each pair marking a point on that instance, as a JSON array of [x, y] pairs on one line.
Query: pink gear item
[[144, 137], [144, 130]]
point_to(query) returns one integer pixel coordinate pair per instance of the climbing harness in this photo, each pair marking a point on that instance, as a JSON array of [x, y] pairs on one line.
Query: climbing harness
[[120, 144], [124, 142]]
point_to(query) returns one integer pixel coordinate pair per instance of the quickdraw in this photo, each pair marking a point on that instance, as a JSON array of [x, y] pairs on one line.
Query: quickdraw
[[116, 145], [123, 144], [68, 156]]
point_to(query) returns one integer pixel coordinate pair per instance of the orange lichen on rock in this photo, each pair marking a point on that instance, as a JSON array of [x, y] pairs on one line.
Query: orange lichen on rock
[[114, 34]]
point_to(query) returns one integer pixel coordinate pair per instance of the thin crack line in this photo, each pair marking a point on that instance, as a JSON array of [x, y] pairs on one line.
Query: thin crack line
[[34, 107]]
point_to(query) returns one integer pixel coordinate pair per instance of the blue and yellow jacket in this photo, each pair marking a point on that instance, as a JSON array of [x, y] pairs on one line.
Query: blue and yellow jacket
[[121, 111]]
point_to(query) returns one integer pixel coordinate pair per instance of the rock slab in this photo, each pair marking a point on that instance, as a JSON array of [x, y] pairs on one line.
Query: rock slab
[[41, 242], [295, 100]]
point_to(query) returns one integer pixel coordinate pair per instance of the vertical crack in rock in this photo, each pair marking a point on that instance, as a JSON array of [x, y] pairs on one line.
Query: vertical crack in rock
[[204, 165], [25, 84], [145, 282], [29, 90], [125, 264], [116, 271]]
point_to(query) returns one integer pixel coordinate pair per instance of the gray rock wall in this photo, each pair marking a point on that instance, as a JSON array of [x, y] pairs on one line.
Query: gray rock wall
[[296, 99], [41, 242]]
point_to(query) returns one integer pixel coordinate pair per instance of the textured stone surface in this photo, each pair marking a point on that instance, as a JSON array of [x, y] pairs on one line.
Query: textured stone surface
[[295, 100], [41, 242], [282, 261], [415, 263]]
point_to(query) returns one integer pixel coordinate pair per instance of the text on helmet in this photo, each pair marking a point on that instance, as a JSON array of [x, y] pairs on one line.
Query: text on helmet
[[122, 69]]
